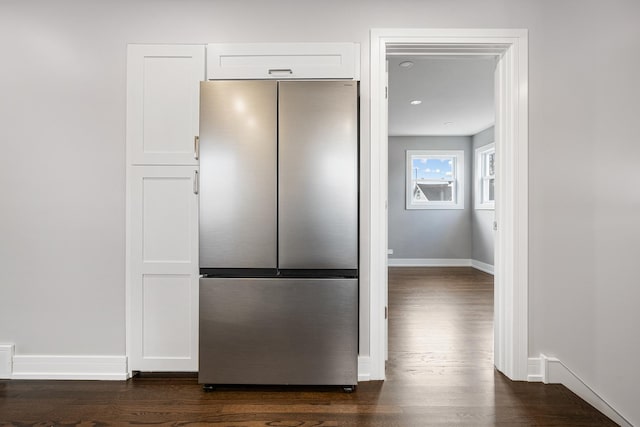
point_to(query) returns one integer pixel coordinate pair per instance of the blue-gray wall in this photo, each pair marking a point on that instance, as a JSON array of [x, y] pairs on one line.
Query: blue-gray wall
[[427, 233], [435, 233], [482, 247]]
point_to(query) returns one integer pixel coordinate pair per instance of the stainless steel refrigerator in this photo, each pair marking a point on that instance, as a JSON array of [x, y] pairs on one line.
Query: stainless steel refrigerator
[[278, 232]]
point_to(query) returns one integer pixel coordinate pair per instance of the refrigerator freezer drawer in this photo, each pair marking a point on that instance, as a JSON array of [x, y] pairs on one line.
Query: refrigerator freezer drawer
[[278, 331]]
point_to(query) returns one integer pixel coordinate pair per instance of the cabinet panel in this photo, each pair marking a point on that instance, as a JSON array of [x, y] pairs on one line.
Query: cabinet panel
[[163, 268], [163, 103], [283, 61], [166, 316], [166, 215]]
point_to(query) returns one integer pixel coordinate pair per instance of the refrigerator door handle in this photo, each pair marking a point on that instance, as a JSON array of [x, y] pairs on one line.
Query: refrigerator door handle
[[196, 182], [196, 147]]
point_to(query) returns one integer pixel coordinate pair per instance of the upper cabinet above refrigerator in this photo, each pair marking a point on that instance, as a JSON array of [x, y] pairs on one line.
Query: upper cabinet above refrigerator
[[281, 61]]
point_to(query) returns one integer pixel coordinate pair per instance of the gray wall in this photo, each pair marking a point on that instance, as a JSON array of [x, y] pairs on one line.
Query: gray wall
[[482, 246], [427, 233], [62, 133], [439, 234]]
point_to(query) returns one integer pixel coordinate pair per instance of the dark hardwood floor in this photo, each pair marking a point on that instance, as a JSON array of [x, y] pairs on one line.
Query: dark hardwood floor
[[440, 373]]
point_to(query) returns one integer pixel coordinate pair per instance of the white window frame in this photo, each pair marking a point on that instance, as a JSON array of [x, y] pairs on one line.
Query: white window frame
[[482, 177], [458, 180]]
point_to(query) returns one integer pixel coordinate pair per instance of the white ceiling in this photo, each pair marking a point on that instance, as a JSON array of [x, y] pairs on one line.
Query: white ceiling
[[454, 90]]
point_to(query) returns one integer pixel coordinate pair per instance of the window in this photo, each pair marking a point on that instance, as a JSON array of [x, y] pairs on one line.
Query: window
[[485, 177], [435, 179]]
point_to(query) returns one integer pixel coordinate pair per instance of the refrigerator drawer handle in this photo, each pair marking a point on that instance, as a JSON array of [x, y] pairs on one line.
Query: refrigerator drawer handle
[[196, 182], [280, 71], [196, 147]]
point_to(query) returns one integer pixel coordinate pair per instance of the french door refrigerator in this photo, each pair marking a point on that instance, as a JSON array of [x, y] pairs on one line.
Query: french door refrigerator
[[278, 232]]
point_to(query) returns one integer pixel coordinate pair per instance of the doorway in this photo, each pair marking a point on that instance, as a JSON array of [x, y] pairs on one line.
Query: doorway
[[440, 153], [509, 47]]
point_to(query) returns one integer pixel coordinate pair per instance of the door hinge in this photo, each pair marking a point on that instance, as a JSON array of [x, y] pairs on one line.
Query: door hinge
[[386, 313], [386, 92], [495, 225]]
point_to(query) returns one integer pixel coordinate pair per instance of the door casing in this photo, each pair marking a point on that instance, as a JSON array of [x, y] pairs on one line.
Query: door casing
[[509, 46]]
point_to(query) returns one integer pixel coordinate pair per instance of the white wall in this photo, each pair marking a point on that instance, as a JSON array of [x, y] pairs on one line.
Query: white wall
[[62, 112]]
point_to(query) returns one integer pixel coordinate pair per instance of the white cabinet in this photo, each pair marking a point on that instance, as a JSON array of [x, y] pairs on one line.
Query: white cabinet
[[163, 268], [163, 102], [283, 61]]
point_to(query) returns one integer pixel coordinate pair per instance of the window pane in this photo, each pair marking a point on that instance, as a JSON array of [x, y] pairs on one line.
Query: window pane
[[491, 164], [417, 194], [492, 189], [432, 178], [436, 191], [430, 168]]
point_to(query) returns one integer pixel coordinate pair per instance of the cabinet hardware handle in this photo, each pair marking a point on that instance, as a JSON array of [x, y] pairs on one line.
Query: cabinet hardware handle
[[196, 182], [196, 147], [280, 71]]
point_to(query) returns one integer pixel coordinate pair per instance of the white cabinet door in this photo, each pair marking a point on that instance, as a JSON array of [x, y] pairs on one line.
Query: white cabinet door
[[163, 103], [163, 268], [283, 61]]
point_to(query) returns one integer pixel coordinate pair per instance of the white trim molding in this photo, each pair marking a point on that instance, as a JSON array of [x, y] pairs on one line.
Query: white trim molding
[[70, 367], [550, 370], [509, 47], [429, 262], [364, 368], [534, 370], [440, 262], [6, 361], [482, 266]]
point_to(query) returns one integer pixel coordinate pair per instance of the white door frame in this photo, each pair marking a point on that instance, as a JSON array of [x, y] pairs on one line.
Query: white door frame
[[511, 212]]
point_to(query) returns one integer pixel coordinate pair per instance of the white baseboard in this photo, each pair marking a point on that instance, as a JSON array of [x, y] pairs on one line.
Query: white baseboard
[[70, 367], [429, 262], [440, 262], [534, 371], [551, 370], [478, 265], [6, 361], [364, 368], [93, 367]]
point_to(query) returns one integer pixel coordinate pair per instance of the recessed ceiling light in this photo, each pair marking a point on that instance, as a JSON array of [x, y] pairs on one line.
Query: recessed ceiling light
[[416, 102], [406, 64]]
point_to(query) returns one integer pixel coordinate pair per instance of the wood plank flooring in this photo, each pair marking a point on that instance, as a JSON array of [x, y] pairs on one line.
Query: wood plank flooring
[[440, 373]]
